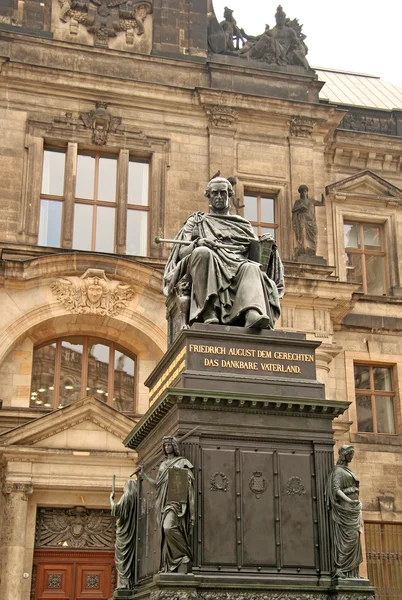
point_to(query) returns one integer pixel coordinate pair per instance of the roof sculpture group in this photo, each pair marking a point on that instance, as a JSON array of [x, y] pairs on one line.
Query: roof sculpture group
[[282, 45]]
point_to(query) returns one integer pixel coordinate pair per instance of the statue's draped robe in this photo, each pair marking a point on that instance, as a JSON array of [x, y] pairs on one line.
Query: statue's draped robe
[[174, 517], [232, 282], [125, 512], [305, 226], [346, 520]]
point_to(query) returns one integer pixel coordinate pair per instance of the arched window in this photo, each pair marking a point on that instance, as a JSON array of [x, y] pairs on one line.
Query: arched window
[[71, 368]]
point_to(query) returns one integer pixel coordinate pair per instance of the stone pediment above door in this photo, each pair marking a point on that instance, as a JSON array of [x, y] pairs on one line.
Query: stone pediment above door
[[365, 184], [86, 425]]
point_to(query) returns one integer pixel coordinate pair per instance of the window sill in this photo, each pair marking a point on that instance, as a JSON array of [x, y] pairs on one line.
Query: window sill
[[376, 438]]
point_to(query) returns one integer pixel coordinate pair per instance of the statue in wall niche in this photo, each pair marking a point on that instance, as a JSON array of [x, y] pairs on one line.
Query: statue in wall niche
[[342, 495], [174, 490], [236, 278], [125, 511], [304, 222]]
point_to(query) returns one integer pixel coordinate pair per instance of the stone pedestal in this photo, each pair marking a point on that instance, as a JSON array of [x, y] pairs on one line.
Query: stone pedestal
[[260, 439]]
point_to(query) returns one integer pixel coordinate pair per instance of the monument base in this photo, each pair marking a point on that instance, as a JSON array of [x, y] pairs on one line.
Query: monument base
[[173, 586]]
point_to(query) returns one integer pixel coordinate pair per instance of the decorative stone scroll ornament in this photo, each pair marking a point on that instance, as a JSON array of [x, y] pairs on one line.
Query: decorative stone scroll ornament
[[302, 126], [295, 487], [76, 527], [92, 293], [222, 116], [26, 489], [101, 122], [106, 18], [257, 483], [219, 482]]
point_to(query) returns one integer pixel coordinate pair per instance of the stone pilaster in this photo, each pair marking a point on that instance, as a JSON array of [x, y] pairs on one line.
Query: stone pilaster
[[13, 520]]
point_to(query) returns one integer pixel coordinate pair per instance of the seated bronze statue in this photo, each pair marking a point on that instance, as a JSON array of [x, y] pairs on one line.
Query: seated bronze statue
[[228, 274]]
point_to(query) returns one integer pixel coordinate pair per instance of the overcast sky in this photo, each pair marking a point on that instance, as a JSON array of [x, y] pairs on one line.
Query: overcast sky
[[363, 36]]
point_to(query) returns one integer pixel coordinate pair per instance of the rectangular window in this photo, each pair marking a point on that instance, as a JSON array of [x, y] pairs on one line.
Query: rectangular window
[[375, 399], [137, 209], [260, 210], [384, 558], [365, 257], [96, 203], [52, 198]]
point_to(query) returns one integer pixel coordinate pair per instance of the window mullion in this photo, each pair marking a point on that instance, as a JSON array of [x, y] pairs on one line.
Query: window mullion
[[57, 375], [70, 176], [110, 386], [84, 371], [122, 200]]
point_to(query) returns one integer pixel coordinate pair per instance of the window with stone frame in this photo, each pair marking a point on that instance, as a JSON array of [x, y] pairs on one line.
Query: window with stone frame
[[366, 257], [260, 210], [375, 398], [71, 368], [97, 219]]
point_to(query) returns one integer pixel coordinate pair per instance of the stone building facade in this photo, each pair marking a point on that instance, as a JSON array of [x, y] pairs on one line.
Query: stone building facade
[[113, 117]]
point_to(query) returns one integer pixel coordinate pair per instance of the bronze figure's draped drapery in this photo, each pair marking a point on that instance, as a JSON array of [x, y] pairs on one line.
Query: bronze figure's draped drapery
[[227, 287], [125, 512], [175, 512], [346, 516], [175, 518]]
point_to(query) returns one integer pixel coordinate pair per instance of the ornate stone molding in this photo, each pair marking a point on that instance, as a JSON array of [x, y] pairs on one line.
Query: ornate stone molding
[[360, 122], [101, 122], [302, 126], [222, 116], [26, 489], [92, 293], [76, 527], [106, 18]]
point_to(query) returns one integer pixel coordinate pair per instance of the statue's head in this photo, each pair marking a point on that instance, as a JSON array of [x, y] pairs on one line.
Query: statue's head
[[280, 16], [228, 12], [219, 191], [169, 445], [346, 453], [130, 487], [303, 191]]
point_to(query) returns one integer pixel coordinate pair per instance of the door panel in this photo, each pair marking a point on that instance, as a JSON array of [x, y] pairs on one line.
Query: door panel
[[54, 581], [92, 581], [73, 575]]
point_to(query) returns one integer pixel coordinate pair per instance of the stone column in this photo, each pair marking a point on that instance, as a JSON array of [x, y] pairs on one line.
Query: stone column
[[13, 520]]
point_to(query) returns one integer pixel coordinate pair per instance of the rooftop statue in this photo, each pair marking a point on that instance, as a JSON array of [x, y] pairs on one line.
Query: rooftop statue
[[235, 277], [282, 45]]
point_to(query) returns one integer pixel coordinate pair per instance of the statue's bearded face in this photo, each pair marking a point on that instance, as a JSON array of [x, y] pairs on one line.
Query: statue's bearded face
[[219, 196]]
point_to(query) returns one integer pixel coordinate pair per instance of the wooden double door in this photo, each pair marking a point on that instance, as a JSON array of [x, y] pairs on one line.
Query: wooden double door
[[73, 575]]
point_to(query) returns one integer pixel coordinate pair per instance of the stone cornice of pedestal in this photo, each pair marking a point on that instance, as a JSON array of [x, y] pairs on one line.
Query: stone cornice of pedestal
[[221, 401]]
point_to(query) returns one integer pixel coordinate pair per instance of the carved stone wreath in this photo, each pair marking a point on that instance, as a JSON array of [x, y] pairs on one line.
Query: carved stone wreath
[[257, 483], [219, 482], [92, 293], [295, 487]]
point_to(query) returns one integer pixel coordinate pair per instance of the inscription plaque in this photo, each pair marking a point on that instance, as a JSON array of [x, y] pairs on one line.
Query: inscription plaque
[[177, 485]]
